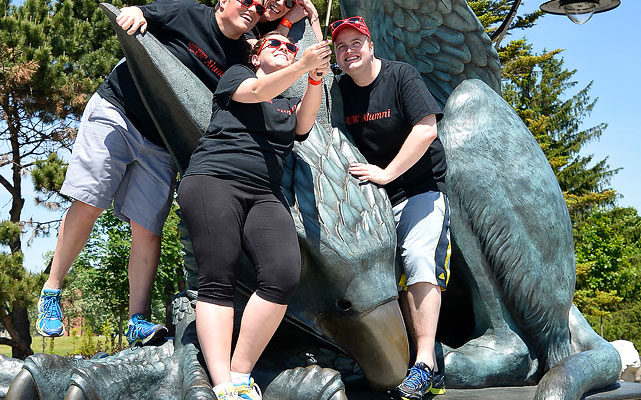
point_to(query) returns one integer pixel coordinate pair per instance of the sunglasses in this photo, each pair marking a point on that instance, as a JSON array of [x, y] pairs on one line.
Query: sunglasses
[[275, 43], [352, 20], [290, 3], [260, 9]]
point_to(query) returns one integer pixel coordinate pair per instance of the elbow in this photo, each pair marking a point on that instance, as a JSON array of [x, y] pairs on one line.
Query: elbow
[[304, 129], [260, 97], [429, 135]]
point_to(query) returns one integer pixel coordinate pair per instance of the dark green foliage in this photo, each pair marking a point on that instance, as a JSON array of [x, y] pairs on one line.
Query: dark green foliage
[[170, 276], [491, 13], [48, 176], [608, 254], [624, 323], [101, 275]]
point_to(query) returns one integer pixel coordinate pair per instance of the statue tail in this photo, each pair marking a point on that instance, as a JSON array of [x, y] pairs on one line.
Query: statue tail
[[596, 366]]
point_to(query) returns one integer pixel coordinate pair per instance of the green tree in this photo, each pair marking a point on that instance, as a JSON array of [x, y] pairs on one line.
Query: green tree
[[492, 13], [103, 267], [608, 255], [536, 85], [16, 294], [170, 275]]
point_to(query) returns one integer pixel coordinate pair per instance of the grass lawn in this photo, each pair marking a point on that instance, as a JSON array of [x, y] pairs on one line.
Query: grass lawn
[[63, 345]]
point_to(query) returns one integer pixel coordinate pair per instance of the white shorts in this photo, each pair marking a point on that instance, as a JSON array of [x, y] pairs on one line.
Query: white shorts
[[423, 239], [112, 161]]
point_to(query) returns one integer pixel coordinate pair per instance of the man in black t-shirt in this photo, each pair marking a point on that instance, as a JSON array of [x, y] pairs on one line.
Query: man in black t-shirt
[[391, 116], [119, 155]]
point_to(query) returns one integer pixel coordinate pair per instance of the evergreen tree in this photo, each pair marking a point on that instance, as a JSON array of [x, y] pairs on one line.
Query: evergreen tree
[[16, 294], [492, 13], [537, 86]]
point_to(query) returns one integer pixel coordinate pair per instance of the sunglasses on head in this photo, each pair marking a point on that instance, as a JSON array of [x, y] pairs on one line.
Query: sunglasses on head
[[275, 43], [351, 20], [260, 9]]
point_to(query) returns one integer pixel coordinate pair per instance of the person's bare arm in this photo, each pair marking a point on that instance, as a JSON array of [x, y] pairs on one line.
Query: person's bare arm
[[310, 102], [255, 90]]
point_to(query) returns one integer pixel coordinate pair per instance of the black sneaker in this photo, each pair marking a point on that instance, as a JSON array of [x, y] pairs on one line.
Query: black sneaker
[[438, 383], [415, 385]]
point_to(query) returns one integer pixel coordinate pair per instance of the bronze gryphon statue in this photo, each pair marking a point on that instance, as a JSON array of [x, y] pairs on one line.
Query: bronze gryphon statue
[[507, 316]]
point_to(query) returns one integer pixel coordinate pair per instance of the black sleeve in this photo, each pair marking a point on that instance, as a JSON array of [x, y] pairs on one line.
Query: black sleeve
[[230, 81], [416, 98], [159, 12]]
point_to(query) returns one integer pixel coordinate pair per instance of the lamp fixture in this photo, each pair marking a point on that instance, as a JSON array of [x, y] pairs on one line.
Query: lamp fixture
[[579, 11]]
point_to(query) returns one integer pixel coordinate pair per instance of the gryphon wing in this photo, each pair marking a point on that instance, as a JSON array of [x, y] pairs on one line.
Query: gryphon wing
[[443, 39]]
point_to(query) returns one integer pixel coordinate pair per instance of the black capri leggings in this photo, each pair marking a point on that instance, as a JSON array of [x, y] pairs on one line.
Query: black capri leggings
[[223, 216]]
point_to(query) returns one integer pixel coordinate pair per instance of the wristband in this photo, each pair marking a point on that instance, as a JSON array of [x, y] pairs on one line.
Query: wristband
[[286, 23], [313, 82]]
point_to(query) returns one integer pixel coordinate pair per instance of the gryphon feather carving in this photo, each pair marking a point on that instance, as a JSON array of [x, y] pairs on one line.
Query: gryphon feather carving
[[507, 317]]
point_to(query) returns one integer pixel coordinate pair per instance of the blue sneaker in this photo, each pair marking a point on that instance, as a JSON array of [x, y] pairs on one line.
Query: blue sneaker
[[49, 322], [416, 384], [142, 331], [251, 391], [438, 383]]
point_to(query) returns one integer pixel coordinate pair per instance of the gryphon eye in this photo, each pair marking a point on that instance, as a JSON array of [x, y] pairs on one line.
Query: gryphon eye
[[343, 305]]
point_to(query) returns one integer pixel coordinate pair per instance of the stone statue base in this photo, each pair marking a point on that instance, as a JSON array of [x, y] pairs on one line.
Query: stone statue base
[[621, 391]]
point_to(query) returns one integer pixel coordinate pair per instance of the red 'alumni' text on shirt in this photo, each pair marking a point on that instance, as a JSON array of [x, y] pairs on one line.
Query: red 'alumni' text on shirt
[[359, 118], [291, 110], [205, 59]]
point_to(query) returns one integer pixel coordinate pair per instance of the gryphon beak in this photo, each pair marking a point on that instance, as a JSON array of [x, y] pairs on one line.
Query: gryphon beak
[[376, 339]]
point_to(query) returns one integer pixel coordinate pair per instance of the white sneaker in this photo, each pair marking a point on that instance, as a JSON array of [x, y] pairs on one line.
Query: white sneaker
[[249, 392], [226, 391]]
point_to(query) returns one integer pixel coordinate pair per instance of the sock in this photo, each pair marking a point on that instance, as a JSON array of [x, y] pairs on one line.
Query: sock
[[238, 378]]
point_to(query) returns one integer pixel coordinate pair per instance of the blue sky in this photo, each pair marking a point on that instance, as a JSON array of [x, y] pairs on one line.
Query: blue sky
[[606, 50]]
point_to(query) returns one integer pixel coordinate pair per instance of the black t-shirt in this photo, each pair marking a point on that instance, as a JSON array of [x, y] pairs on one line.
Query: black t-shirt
[[247, 142], [190, 32], [381, 115]]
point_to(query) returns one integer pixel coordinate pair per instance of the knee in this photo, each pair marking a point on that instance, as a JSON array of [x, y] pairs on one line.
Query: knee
[[218, 293], [85, 211], [279, 286], [138, 233]]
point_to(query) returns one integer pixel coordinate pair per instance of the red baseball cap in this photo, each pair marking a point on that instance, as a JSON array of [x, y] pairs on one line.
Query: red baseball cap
[[352, 22]]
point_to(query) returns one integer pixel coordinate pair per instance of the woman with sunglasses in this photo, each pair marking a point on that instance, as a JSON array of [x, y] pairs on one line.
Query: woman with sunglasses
[[280, 15], [231, 199]]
